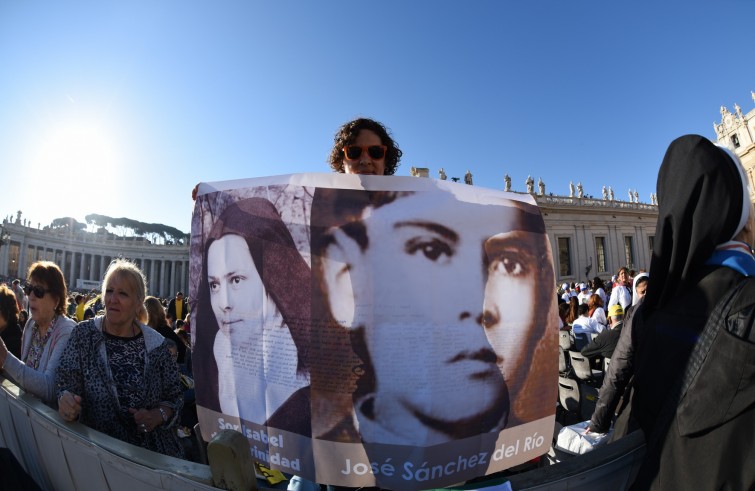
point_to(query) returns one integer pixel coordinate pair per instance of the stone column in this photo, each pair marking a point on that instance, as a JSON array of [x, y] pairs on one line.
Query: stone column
[[102, 266], [152, 270], [72, 271], [90, 276], [22, 257], [82, 267], [182, 286], [69, 270], [78, 262], [163, 284], [173, 279], [4, 258]]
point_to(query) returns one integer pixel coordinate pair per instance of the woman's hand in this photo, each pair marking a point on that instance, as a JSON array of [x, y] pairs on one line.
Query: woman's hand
[[69, 406], [146, 419]]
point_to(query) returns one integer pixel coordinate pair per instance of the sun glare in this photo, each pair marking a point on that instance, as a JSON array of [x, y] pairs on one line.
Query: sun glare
[[77, 146], [78, 161]]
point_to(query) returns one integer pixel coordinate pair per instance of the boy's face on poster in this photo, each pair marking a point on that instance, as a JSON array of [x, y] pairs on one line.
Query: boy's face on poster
[[510, 304], [236, 290], [420, 291]]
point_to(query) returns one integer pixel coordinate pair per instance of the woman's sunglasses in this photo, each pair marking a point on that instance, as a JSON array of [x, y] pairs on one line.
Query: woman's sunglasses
[[38, 291], [376, 152]]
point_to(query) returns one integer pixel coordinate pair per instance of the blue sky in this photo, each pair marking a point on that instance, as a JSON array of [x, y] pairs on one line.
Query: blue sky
[[119, 108]]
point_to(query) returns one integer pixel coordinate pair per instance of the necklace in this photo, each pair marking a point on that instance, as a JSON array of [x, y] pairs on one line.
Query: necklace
[[38, 342], [105, 328]]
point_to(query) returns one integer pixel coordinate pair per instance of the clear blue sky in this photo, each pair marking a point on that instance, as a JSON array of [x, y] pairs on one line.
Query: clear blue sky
[[119, 108]]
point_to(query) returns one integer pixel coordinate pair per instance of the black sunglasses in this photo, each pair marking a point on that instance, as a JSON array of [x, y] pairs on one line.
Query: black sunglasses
[[376, 152], [38, 291]]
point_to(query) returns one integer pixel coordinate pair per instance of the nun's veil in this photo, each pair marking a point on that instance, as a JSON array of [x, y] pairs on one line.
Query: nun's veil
[[285, 275], [701, 195]]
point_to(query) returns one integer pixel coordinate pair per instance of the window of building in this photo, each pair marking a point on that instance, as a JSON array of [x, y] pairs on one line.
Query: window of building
[[31, 255], [14, 256], [600, 252], [651, 243], [564, 256], [735, 141], [629, 251]]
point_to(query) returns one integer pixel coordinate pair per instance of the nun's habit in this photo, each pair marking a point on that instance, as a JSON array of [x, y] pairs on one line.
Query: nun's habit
[[709, 439]]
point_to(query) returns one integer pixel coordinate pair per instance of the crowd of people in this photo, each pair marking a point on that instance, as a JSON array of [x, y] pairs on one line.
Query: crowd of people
[[115, 361], [101, 359], [681, 363], [589, 319]]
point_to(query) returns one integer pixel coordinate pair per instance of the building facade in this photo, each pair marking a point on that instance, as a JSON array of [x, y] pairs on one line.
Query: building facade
[[737, 132], [595, 237], [84, 257], [588, 237]]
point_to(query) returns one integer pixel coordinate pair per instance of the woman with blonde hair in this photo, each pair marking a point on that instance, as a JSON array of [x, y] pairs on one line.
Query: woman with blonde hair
[[117, 375]]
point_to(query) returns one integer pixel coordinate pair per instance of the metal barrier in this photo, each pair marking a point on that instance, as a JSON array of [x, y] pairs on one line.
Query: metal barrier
[[70, 456]]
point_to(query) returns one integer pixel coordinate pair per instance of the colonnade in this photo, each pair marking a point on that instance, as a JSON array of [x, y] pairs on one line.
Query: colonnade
[[84, 258]]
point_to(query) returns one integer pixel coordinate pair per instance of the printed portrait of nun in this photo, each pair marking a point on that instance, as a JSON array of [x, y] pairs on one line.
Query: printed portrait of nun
[[253, 314]]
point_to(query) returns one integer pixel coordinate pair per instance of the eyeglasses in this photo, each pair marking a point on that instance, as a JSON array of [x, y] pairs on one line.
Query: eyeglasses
[[376, 152], [38, 291]]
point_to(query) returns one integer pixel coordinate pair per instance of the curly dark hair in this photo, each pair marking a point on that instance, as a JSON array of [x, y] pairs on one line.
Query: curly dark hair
[[347, 134]]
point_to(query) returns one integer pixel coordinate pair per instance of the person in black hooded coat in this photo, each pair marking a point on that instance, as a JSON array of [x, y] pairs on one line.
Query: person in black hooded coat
[[703, 251]]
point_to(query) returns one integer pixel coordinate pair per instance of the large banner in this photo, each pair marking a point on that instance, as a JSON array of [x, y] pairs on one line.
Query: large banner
[[368, 330]]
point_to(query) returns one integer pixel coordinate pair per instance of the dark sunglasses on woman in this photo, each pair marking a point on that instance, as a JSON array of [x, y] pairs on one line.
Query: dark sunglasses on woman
[[38, 291], [376, 152]]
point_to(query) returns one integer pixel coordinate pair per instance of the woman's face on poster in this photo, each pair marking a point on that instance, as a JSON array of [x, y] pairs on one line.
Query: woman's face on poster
[[237, 294]]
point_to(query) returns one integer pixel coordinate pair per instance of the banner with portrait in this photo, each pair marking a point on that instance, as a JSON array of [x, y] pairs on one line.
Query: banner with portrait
[[370, 330]]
